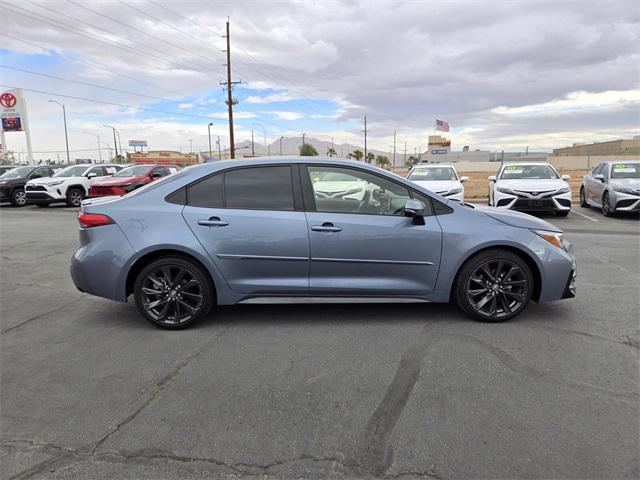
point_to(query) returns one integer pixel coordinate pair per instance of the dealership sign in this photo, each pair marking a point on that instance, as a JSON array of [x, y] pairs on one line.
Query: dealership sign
[[13, 117], [439, 151]]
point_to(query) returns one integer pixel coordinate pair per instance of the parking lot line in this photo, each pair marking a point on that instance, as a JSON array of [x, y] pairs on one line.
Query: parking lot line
[[585, 216]]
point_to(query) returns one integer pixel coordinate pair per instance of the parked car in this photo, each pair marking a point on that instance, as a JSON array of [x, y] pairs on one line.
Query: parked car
[[12, 183], [130, 178], [5, 168], [241, 230], [440, 179], [613, 187], [530, 187], [69, 185]]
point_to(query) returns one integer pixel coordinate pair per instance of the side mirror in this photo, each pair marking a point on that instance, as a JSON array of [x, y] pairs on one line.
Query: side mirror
[[414, 208], [492, 178], [155, 175], [463, 179], [566, 177], [92, 175], [599, 177]]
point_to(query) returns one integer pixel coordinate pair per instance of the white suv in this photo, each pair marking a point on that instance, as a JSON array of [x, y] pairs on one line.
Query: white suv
[[68, 185]]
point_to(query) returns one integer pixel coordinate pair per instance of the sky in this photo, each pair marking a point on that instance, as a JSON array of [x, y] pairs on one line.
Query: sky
[[506, 75]]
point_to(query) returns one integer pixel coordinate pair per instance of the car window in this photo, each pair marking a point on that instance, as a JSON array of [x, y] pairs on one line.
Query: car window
[[262, 188], [110, 170], [72, 171], [97, 171], [625, 170], [538, 172], [596, 170], [432, 174], [171, 170], [356, 192], [17, 172], [207, 192], [40, 172]]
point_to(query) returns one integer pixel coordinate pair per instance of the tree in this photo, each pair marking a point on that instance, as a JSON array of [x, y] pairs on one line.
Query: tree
[[370, 157], [411, 161], [383, 161], [308, 150], [331, 152], [356, 155]]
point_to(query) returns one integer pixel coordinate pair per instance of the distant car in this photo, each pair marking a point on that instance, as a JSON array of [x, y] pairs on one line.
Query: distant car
[[613, 187], [336, 185], [440, 179], [12, 183], [69, 185], [241, 230], [130, 178], [530, 187]]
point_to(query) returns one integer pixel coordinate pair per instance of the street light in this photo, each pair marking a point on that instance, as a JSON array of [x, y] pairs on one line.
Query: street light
[[281, 145], [264, 132], [209, 130], [99, 150], [66, 137], [115, 145]]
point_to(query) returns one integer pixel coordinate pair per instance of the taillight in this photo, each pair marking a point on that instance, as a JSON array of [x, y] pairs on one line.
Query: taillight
[[88, 220]]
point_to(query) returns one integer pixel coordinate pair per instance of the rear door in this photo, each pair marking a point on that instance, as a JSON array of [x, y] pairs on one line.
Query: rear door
[[361, 241], [251, 222], [594, 191]]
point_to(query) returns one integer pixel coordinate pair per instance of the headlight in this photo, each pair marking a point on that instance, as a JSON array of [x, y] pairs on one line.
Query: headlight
[[505, 190], [453, 191], [565, 189], [53, 184], [626, 190], [554, 238]]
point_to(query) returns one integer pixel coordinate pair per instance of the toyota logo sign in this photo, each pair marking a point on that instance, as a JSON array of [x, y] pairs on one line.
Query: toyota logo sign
[[8, 100]]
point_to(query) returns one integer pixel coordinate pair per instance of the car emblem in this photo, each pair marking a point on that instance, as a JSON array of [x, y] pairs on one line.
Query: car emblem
[[535, 194]]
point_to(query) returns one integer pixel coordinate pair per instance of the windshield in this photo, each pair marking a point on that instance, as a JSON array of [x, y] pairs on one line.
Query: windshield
[[539, 172], [74, 171], [17, 172], [135, 171], [433, 173], [625, 170]]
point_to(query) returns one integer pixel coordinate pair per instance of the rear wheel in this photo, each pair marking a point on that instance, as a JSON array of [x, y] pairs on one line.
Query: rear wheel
[[606, 207], [493, 286], [583, 199], [74, 197], [18, 198], [173, 292]]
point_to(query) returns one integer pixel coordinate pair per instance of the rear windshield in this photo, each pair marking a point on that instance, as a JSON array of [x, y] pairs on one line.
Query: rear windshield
[[74, 171], [516, 172], [433, 173], [625, 170], [135, 171], [17, 172]]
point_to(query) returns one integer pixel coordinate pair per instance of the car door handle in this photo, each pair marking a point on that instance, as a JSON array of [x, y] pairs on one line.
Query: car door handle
[[326, 227], [213, 222]]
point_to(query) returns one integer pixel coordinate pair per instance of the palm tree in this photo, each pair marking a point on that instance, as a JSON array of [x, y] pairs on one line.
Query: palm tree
[[331, 152], [356, 155]]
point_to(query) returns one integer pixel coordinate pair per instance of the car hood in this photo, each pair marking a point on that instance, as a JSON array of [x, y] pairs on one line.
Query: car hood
[[48, 180], [517, 219], [438, 186], [333, 187], [114, 182], [626, 182], [533, 185]]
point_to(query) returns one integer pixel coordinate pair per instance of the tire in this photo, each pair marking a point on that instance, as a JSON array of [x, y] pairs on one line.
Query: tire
[[503, 286], [606, 206], [18, 198], [165, 282], [74, 197], [42, 204], [583, 199], [562, 213]]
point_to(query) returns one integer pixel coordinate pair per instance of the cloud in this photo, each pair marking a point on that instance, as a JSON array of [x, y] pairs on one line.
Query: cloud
[[185, 105], [282, 115]]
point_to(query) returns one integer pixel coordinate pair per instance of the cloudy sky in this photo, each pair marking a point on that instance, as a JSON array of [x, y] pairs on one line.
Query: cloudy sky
[[504, 74]]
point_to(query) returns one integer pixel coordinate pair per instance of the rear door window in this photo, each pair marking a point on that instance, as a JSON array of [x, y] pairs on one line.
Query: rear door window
[[207, 192], [259, 188]]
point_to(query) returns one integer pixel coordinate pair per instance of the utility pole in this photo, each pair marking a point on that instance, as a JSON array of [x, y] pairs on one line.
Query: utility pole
[[365, 139], [303, 138], [219, 150], [115, 143], [66, 137], [209, 130], [393, 165], [281, 145], [230, 100], [253, 150]]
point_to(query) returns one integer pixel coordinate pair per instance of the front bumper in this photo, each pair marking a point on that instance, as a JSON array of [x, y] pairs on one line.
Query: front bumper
[[623, 202], [41, 193], [550, 203]]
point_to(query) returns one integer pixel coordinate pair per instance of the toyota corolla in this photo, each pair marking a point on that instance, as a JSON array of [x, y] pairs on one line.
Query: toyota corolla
[[244, 231]]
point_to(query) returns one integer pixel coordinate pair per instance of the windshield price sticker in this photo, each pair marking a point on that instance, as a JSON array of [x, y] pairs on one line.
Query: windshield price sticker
[[513, 170], [623, 168]]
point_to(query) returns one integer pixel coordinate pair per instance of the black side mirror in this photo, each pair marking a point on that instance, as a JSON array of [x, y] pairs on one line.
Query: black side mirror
[[414, 208], [156, 175]]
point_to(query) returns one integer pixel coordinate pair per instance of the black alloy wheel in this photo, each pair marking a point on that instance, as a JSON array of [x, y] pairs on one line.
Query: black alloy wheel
[[173, 293], [606, 206], [494, 286]]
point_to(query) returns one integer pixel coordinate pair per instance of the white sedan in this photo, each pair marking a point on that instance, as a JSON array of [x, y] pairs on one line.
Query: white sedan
[[440, 179], [530, 187]]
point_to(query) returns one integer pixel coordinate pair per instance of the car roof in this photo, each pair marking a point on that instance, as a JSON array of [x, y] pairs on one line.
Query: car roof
[[622, 161], [511, 164], [433, 165]]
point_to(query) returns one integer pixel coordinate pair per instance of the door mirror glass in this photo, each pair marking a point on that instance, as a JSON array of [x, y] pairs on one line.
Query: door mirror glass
[[414, 208], [92, 175], [599, 177], [464, 179], [492, 178]]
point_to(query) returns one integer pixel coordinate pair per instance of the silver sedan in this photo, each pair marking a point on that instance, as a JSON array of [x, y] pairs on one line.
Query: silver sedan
[[613, 186]]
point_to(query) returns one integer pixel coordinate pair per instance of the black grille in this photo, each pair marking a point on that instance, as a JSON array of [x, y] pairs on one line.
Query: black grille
[[39, 196], [504, 202], [32, 188], [534, 205], [626, 203], [565, 202]]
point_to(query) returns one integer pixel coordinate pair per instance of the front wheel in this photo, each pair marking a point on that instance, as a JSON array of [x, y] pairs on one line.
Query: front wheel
[[74, 197], [606, 206], [173, 292], [18, 198], [583, 199], [493, 286]]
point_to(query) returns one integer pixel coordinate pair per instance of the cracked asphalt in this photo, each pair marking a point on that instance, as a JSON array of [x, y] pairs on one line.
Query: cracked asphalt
[[90, 390]]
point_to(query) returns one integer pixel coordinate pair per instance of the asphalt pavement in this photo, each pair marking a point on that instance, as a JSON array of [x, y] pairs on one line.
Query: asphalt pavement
[[88, 389]]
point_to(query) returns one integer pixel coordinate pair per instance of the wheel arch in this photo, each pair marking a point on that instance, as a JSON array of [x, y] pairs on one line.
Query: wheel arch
[[76, 186], [525, 256], [139, 264]]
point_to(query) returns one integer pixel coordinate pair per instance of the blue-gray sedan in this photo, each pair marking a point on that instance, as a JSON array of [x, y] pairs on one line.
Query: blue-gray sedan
[[317, 228]]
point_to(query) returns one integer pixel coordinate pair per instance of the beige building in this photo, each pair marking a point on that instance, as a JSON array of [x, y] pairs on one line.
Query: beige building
[[164, 157], [615, 147]]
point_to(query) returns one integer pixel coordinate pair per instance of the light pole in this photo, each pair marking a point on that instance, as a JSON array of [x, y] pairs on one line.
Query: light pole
[[209, 130], [66, 136], [264, 132], [281, 145], [99, 150], [115, 144], [219, 149]]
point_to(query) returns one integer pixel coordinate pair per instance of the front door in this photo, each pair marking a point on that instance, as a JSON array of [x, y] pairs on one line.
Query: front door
[[253, 228], [361, 242]]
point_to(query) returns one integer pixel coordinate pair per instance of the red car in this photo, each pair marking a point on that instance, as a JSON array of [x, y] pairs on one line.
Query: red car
[[129, 179]]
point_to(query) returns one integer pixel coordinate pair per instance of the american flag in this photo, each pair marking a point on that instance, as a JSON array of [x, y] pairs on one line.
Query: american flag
[[442, 126]]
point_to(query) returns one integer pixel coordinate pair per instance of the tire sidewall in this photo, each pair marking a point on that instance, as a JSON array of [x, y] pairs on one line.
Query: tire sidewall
[[14, 197], [460, 285], [70, 194], [207, 289]]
